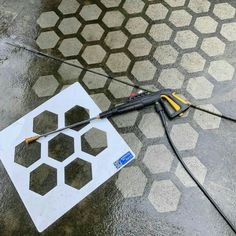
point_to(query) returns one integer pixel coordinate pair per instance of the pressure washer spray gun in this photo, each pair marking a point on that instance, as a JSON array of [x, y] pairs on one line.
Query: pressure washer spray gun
[[166, 97]]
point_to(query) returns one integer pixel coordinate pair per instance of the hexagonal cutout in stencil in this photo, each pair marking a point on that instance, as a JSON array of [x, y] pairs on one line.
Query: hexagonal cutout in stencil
[[78, 173], [61, 147], [45, 122], [26, 155], [43, 179], [76, 114], [94, 141]]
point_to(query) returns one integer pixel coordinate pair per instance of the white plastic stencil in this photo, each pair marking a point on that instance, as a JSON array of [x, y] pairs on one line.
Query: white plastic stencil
[[44, 174]]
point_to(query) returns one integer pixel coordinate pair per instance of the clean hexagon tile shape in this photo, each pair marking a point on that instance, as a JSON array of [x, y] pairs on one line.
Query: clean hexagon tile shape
[[221, 70], [45, 86], [68, 7], [126, 120], [175, 3], [184, 136], [199, 6], [93, 81], [192, 62], [147, 123], [156, 11], [70, 73], [93, 54], [47, 40], [133, 6], [171, 78], [160, 32], [116, 39], [119, 90], [205, 24], [200, 87], [228, 30], [101, 100], [128, 176], [113, 19], [69, 25], [164, 196], [196, 167], [186, 39], [140, 47], [133, 142], [180, 18], [224, 11], [70, 47], [205, 120], [165, 54], [118, 62], [143, 70], [47, 19], [111, 3], [136, 25], [90, 12], [92, 32], [213, 46], [158, 159]]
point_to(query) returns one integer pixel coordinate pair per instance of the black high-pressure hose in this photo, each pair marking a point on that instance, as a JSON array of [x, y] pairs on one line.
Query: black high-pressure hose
[[159, 109]]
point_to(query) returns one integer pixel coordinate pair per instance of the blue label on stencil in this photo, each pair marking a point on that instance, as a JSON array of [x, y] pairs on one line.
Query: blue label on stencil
[[123, 160]]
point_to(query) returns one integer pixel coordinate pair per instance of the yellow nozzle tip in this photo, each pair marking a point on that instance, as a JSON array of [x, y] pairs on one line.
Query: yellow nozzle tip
[[31, 139]]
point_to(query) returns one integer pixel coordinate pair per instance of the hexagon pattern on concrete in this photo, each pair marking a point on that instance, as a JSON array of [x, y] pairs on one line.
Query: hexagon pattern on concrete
[[61, 147], [26, 155], [78, 173], [94, 141], [113, 19], [128, 176], [101, 100], [199, 6], [43, 179], [111, 3], [200, 88], [116, 39], [193, 62], [184, 136], [186, 39], [171, 78], [133, 142], [47, 40], [164, 196], [147, 124], [221, 70], [70, 47], [228, 30], [48, 19], [90, 12], [205, 24], [69, 26], [175, 3], [165, 54], [140, 47], [68, 6], [45, 122], [158, 159], [133, 6], [118, 62], [76, 114], [156, 11], [143, 70], [92, 32], [94, 54], [136, 25], [213, 46], [180, 18], [160, 32], [45, 86], [126, 120], [205, 120], [224, 11], [196, 167]]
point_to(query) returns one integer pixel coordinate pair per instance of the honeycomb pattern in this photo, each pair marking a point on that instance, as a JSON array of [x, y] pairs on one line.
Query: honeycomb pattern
[[157, 44]]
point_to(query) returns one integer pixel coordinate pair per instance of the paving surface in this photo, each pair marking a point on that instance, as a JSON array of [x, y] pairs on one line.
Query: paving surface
[[187, 45]]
